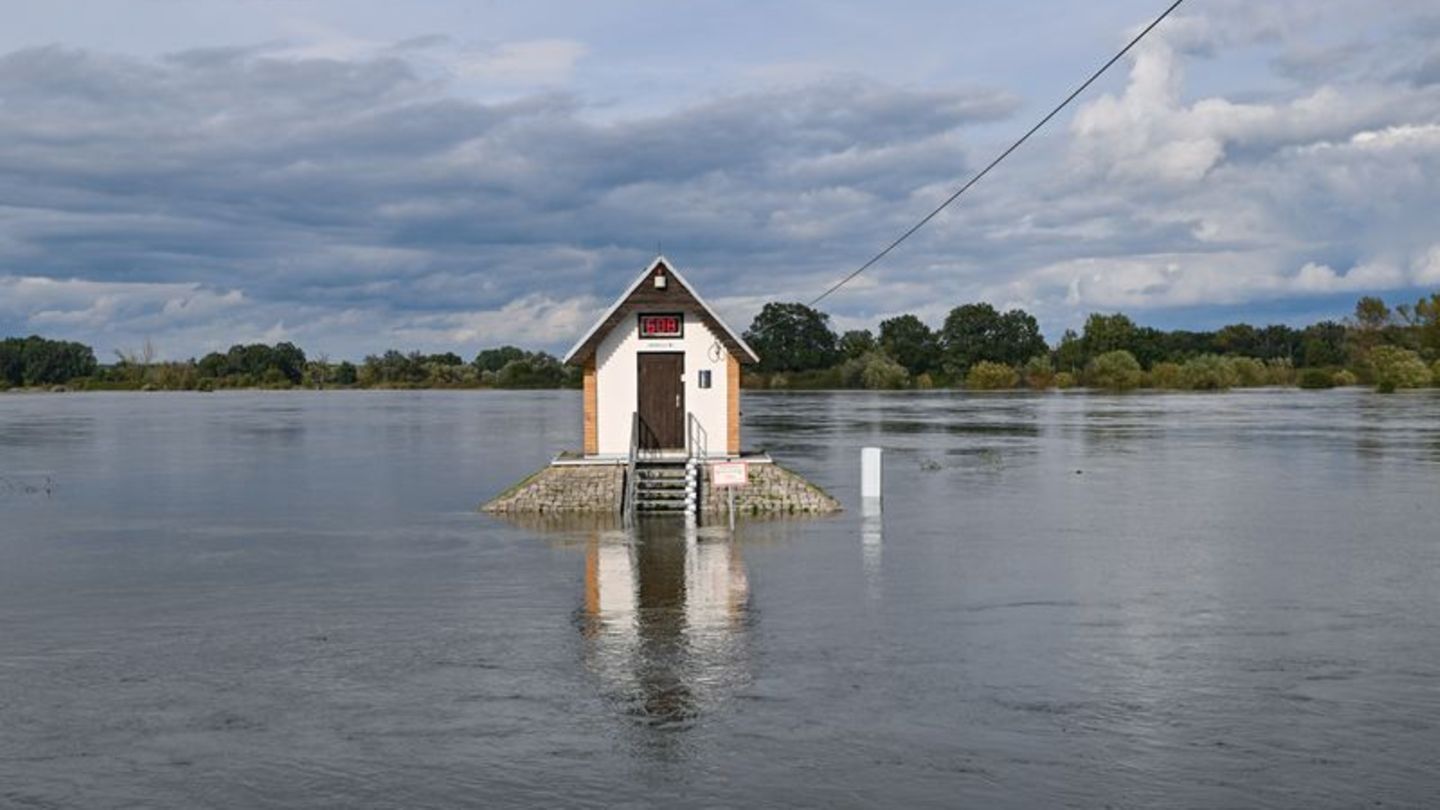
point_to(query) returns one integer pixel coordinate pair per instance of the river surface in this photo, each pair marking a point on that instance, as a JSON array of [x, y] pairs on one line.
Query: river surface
[[288, 599]]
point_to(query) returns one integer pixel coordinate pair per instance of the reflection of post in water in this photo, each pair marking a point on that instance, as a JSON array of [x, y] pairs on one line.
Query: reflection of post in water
[[872, 546], [664, 618]]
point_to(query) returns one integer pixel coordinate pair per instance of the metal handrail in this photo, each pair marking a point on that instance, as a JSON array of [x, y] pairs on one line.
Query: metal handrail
[[697, 439], [627, 507]]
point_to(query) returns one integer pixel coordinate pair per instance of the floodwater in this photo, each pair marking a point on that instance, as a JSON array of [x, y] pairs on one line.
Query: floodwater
[[288, 600]]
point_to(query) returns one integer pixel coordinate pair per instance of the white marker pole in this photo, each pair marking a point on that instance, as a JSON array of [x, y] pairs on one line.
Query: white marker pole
[[870, 480]]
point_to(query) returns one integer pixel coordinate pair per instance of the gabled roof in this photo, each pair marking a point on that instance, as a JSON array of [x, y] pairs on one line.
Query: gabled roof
[[641, 294]]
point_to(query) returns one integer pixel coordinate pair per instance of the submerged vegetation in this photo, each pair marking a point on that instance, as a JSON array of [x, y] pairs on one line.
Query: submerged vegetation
[[977, 347]]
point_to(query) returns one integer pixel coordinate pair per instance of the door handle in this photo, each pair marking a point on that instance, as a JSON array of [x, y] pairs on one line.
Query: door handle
[[677, 400]]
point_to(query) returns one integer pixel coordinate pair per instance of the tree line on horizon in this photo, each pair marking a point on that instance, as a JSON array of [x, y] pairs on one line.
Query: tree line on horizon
[[980, 348], [36, 362], [976, 347]]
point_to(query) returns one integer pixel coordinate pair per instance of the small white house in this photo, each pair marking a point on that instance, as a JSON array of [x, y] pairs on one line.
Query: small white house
[[661, 352]]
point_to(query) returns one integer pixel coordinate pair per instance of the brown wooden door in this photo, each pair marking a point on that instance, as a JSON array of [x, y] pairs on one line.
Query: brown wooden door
[[661, 398]]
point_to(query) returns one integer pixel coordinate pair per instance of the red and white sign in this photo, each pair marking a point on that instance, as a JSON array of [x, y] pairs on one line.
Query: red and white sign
[[662, 326], [729, 474]]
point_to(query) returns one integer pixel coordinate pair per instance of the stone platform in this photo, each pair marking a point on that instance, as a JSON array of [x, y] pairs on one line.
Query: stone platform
[[574, 484]]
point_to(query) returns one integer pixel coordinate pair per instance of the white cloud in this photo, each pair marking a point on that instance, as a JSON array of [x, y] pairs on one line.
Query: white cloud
[[1427, 267], [534, 320], [537, 61], [1318, 278]]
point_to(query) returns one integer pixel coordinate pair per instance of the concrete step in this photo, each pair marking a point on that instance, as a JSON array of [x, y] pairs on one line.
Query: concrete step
[[660, 484], [660, 487]]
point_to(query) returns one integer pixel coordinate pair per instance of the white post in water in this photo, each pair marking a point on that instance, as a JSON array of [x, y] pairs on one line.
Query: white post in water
[[870, 480]]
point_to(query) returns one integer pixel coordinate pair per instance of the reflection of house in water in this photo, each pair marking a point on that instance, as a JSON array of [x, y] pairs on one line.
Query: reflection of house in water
[[665, 618]]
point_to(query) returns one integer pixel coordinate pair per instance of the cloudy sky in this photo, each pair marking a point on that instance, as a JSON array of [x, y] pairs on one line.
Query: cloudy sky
[[439, 175]]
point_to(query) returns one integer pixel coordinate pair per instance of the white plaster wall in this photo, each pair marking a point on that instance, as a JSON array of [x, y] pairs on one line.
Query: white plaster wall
[[615, 381]]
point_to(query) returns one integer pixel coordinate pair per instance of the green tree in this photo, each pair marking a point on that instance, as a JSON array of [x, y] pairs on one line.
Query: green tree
[[1427, 324], [1322, 344], [256, 361], [911, 343], [976, 332], [1149, 345], [1276, 342], [1372, 313], [1020, 337], [345, 373], [969, 335], [289, 360], [38, 361], [1368, 325], [495, 359], [1108, 333], [1237, 339], [539, 370], [793, 337], [856, 343], [12, 361], [1070, 354], [1183, 344], [214, 366], [393, 368]]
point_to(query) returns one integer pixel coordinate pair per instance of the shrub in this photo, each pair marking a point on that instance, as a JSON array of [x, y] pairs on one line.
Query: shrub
[[1064, 380], [849, 372], [345, 373], [535, 371], [1166, 375], [274, 378], [879, 372], [924, 382], [1279, 371], [1114, 371], [1400, 368], [1248, 371], [1435, 373], [1039, 372], [817, 379], [1317, 378], [1208, 372], [990, 376], [1345, 377]]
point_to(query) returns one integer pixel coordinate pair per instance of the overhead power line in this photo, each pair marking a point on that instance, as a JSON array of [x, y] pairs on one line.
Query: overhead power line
[[996, 162]]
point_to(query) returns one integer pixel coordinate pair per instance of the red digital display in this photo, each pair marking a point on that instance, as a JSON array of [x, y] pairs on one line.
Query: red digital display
[[662, 326]]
